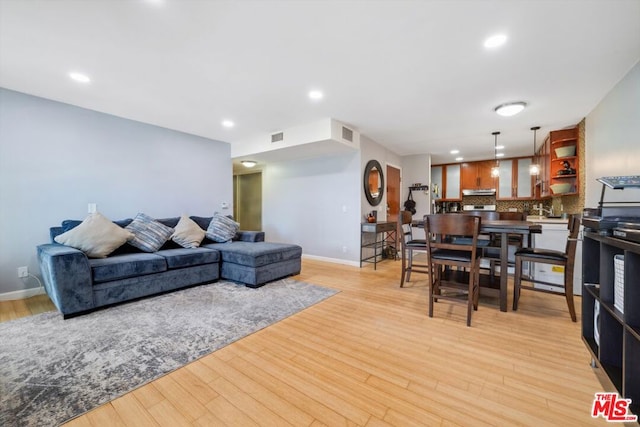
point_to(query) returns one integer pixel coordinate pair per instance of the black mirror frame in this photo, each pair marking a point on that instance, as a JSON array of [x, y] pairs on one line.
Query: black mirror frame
[[373, 201]]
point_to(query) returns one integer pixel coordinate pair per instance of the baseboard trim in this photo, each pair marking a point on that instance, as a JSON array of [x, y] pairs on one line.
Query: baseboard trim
[[333, 260], [22, 294]]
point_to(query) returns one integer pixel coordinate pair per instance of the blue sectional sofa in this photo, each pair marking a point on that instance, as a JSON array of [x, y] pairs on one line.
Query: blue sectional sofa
[[77, 284]]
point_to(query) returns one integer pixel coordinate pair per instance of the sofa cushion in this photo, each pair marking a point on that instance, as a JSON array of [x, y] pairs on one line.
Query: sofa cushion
[[127, 265], [149, 234], [179, 258], [96, 236], [256, 254], [222, 228], [187, 233]]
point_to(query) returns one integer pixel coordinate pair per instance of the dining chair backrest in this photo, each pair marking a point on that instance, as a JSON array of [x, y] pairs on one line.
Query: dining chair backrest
[[572, 241], [485, 215], [512, 216], [452, 225]]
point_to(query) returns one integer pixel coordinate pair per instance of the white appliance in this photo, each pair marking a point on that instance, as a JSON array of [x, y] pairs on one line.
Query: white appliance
[[554, 236], [479, 208]]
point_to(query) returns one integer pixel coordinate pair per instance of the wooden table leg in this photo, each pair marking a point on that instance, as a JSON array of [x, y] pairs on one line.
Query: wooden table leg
[[504, 270]]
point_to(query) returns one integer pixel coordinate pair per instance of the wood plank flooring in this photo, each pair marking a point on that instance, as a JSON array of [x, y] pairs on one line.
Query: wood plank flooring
[[370, 356]]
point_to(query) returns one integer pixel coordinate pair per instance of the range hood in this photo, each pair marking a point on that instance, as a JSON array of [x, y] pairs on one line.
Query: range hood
[[480, 192]]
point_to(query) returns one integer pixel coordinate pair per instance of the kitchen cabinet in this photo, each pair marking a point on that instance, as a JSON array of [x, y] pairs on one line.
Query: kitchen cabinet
[[558, 168], [564, 167], [515, 182], [445, 182], [611, 335], [477, 175]]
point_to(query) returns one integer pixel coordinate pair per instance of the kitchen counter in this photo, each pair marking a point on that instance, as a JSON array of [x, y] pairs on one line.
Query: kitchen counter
[[546, 220]]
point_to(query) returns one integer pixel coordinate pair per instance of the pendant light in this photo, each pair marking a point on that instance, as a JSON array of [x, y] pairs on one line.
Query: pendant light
[[495, 171], [534, 169]]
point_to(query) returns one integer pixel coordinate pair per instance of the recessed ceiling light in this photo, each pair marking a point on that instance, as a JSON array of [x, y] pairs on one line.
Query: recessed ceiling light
[[495, 41], [458, 159], [316, 95], [510, 108], [454, 151], [249, 163], [500, 155], [228, 123], [500, 147], [79, 77]]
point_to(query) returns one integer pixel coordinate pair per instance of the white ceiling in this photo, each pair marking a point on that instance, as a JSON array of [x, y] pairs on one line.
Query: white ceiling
[[411, 75]]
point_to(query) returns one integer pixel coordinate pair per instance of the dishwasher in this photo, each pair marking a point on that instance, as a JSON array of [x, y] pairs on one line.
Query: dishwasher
[[554, 236]]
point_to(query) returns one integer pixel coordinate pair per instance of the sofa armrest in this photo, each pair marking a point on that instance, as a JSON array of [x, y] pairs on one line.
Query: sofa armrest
[[67, 277], [249, 236]]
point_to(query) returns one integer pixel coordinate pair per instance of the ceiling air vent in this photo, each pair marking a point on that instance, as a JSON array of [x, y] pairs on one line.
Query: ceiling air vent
[[347, 134], [277, 137]]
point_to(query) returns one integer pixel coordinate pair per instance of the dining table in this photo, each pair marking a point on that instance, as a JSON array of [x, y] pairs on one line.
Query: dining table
[[503, 228]]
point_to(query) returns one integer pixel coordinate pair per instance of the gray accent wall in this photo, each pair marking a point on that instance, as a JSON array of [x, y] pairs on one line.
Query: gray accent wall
[[56, 158]]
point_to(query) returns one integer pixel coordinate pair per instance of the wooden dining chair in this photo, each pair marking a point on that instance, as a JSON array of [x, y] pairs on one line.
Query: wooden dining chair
[[442, 253], [409, 245], [565, 259]]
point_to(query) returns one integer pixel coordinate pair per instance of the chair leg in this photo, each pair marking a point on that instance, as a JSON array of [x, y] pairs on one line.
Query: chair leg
[[470, 294], [404, 267], [432, 289], [476, 289], [410, 266], [568, 292], [516, 282]]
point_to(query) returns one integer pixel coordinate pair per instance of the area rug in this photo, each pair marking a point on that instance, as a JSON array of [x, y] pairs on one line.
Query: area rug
[[52, 369]]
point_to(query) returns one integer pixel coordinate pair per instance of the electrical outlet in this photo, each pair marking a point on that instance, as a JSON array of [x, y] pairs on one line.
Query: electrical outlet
[[224, 205], [91, 208], [23, 271], [344, 249]]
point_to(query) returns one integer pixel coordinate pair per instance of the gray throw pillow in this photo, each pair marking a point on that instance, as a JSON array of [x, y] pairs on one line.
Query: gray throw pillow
[[222, 228], [149, 234]]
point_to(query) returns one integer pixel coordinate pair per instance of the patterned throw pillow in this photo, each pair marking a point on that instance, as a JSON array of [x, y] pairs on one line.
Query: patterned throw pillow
[[222, 228], [96, 236], [187, 233], [149, 234]]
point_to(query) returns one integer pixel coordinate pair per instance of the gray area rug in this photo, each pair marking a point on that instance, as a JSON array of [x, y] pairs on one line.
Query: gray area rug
[[52, 369]]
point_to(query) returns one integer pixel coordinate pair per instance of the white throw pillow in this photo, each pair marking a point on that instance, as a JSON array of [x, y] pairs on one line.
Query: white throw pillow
[[96, 236], [187, 233]]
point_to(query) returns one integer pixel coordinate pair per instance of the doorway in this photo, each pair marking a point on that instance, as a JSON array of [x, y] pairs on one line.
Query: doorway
[[393, 193], [247, 201]]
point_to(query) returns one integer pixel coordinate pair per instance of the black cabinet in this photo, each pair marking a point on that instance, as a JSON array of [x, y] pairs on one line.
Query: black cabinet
[[612, 335]]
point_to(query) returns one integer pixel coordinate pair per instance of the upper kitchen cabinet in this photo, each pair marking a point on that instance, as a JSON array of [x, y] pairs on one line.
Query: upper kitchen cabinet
[[445, 182], [515, 181], [477, 175], [564, 167]]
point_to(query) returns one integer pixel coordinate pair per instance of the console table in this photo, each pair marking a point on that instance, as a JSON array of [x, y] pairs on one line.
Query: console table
[[384, 234]]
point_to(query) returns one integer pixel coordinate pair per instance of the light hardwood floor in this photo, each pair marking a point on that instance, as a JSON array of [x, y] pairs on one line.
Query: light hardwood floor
[[370, 356]]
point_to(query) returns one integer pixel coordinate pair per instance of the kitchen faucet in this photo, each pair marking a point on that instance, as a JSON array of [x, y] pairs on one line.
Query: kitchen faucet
[[542, 210]]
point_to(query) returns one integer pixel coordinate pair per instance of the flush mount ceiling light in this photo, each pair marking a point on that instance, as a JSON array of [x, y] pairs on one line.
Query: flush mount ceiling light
[[79, 77], [454, 151], [495, 171], [228, 123], [316, 95], [248, 163], [495, 41], [534, 169], [510, 108], [459, 159]]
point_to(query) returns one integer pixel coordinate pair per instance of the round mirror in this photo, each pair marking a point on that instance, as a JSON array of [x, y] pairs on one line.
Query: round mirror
[[373, 182]]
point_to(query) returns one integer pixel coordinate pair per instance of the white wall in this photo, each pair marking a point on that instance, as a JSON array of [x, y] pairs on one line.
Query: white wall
[[315, 203], [56, 158], [611, 136], [417, 168], [371, 150]]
